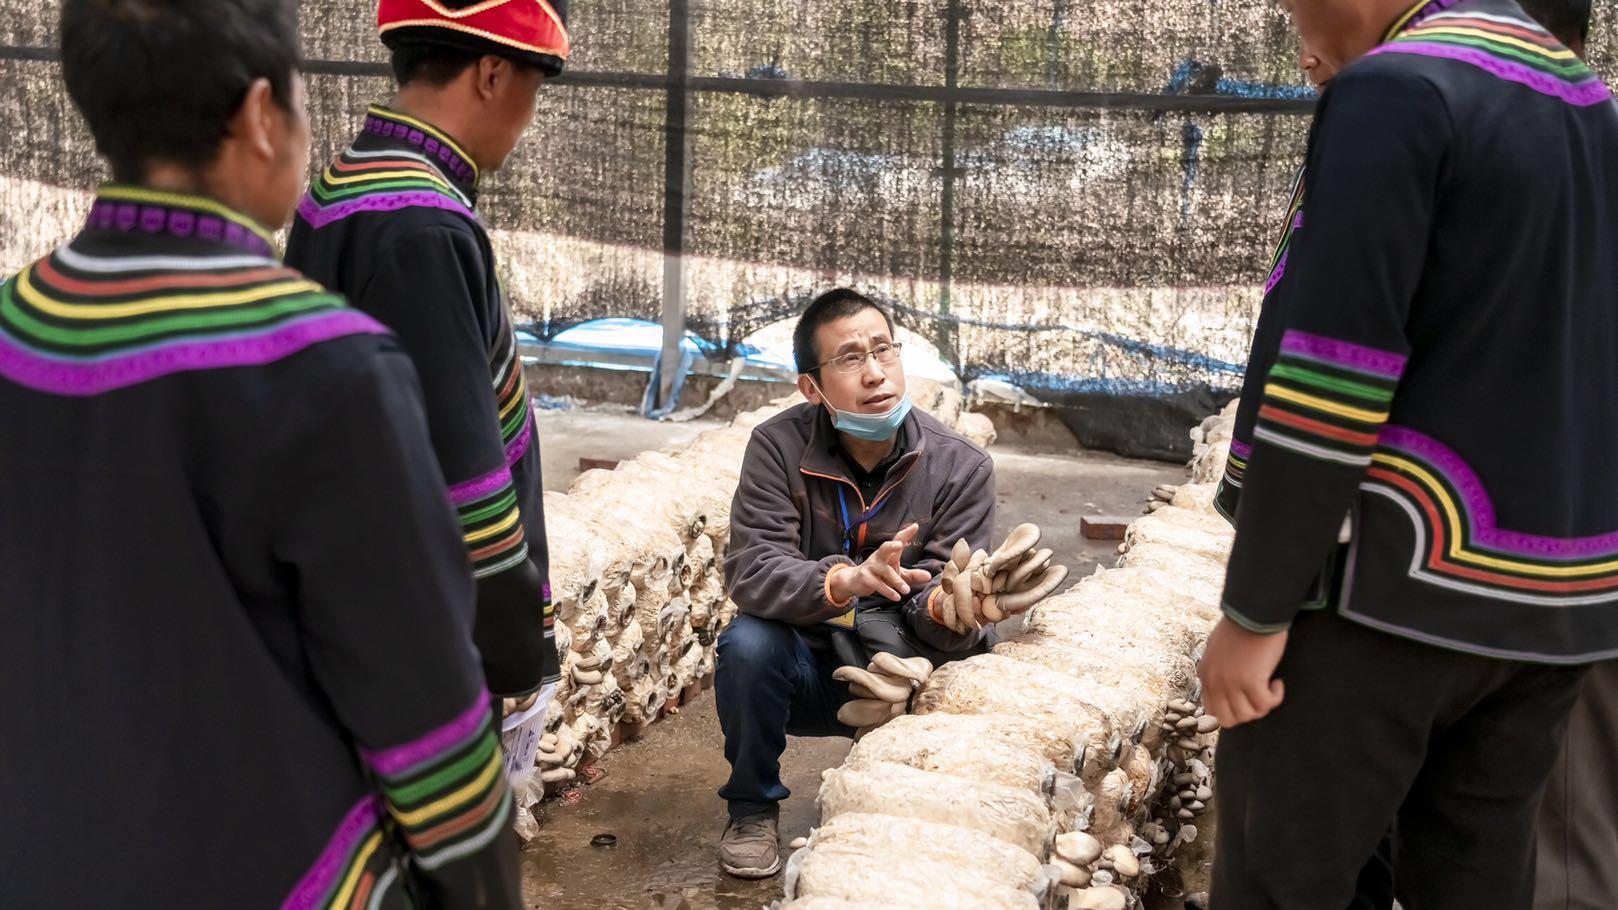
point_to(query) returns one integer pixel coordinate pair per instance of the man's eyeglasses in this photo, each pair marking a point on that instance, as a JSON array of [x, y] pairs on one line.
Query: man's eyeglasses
[[885, 354]]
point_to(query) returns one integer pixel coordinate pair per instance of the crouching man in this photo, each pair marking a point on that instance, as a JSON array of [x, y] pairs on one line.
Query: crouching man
[[846, 512]]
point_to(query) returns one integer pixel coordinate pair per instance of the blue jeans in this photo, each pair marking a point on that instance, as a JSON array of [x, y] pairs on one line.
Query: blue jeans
[[768, 683]]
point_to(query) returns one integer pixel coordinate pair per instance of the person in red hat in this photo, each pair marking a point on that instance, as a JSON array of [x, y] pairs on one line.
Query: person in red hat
[[393, 224]]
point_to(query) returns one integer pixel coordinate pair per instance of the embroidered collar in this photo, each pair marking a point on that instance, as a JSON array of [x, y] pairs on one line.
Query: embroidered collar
[[137, 210], [445, 153], [1414, 16]]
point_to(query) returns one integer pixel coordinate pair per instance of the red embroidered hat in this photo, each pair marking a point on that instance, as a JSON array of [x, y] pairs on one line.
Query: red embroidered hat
[[532, 31]]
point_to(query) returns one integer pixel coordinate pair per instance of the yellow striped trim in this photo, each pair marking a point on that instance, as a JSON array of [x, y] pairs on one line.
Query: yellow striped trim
[[486, 533], [331, 177], [514, 402], [481, 33], [1321, 404], [1404, 20], [122, 193], [352, 880], [422, 125], [1491, 36], [1453, 518], [465, 794], [25, 288]]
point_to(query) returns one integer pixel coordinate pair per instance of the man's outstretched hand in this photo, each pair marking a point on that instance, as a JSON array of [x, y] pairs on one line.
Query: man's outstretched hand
[[881, 573], [1238, 674]]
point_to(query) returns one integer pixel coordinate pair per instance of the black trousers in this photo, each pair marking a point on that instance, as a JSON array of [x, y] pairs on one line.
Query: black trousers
[[1578, 823], [1377, 729]]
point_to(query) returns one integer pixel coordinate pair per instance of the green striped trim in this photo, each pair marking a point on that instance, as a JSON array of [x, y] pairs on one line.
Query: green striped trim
[[153, 329], [1253, 625], [1319, 380], [1567, 69]]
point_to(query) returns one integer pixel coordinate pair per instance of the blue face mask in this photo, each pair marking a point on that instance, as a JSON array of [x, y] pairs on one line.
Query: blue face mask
[[869, 427]]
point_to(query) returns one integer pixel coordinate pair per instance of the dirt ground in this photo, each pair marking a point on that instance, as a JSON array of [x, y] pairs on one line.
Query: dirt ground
[[658, 796]]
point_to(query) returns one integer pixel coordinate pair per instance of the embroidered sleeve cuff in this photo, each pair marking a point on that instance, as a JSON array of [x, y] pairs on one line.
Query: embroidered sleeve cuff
[[491, 522], [1328, 399], [1253, 625], [446, 791]]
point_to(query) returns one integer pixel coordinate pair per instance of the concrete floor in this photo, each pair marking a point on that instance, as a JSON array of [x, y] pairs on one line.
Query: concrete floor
[[658, 797]]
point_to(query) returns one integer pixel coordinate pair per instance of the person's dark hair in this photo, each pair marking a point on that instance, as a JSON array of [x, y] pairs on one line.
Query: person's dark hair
[[828, 307], [160, 80], [1568, 20], [429, 63], [437, 65]]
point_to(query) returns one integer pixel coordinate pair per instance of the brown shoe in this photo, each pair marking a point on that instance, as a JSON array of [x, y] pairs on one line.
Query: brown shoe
[[751, 847]]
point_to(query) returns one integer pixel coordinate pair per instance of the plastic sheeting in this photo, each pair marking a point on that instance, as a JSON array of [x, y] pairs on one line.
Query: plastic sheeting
[[1090, 219]]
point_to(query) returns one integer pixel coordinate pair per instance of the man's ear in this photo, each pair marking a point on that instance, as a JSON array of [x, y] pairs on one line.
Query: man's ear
[[254, 123], [489, 74], [806, 387]]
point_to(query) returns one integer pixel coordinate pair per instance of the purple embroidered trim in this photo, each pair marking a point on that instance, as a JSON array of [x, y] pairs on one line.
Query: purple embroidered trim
[[399, 759], [80, 378], [1479, 507], [317, 217], [452, 161], [174, 221], [1241, 449], [480, 487], [1275, 276], [316, 885], [1581, 94], [1343, 354], [519, 446]]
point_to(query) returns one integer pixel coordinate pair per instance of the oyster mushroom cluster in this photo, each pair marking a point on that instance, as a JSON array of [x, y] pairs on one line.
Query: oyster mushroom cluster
[[1004, 583], [882, 691]]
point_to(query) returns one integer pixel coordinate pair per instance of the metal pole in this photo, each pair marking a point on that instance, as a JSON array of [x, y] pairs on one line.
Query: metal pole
[[948, 340], [676, 187]]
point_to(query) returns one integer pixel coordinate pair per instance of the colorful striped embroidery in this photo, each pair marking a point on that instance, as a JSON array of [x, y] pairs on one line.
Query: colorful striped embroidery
[[1327, 399], [139, 210], [354, 871], [78, 325], [394, 179], [379, 121], [1516, 50], [1229, 491], [1294, 221], [1460, 546], [358, 183], [447, 790], [1415, 14], [511, 397], [491, 522]]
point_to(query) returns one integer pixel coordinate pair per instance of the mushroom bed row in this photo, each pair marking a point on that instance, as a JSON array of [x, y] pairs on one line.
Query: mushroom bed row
[[636, 568], [1067, 767]]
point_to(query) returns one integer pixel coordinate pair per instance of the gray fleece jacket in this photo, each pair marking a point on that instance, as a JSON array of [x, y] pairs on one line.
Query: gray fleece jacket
[[788, 527]]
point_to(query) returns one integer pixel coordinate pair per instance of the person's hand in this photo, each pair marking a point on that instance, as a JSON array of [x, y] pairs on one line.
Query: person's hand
[[1237, 673], [977, 619], [881, 573]]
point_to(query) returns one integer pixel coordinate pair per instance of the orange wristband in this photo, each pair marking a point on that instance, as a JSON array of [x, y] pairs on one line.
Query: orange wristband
[[829, 573]]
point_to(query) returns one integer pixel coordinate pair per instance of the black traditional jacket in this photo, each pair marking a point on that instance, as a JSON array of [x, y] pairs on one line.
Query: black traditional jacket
[[391, 224], [1449, 302], [237, 616]]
